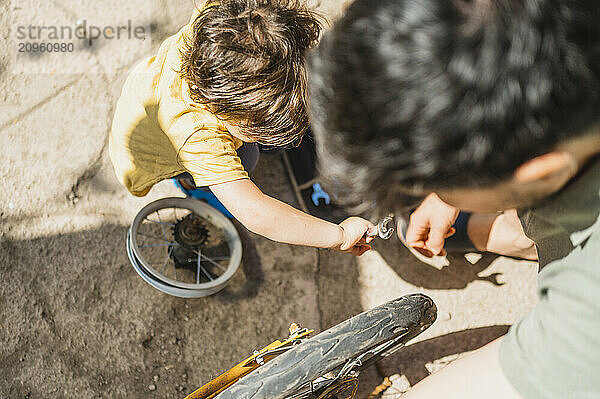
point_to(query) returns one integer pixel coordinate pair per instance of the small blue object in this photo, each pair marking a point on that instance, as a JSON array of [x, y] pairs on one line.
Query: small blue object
[[206, 195], [318, 194]]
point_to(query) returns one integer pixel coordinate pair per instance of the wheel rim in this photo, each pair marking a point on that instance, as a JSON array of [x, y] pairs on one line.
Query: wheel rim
[[184, 247]]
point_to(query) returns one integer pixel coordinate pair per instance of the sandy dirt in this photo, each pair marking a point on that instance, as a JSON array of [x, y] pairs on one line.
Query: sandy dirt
[[75, 318]]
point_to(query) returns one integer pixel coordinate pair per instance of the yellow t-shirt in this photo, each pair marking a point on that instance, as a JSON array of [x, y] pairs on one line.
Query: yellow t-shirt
[[158, 131]]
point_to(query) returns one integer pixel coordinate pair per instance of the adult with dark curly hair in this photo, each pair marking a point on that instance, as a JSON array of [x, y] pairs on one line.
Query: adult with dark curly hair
[[487, 108]]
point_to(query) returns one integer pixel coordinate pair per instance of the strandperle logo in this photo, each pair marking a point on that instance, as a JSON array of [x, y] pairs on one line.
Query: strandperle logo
[[90, 37], [81, 30]]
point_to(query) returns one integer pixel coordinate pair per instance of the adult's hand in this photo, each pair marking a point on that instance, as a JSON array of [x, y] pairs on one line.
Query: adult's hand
[[430, 224]]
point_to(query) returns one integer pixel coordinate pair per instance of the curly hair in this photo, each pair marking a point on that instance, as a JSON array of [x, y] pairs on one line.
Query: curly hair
[[245, 63]]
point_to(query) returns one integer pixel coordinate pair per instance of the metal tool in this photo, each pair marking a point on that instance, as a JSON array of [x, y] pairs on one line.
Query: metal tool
[[319, 194], [385, 228]]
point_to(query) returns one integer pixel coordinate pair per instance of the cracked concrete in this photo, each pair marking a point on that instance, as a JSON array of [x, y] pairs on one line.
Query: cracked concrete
[[75, 319], [88, 174]]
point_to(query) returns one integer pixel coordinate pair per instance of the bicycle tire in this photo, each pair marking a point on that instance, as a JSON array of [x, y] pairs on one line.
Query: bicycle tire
[[286, 374], [167, 285]]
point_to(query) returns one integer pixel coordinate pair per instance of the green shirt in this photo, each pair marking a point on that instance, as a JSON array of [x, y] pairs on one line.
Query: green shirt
[[554, 351]]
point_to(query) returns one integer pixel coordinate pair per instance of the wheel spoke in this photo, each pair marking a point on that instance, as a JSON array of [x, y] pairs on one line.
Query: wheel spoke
[[162, 228], [166, 260], [198, 270], [155, 248], [155, 237], [161, 223], [206, 258], [206, 273], [158, 245], [219, 258]]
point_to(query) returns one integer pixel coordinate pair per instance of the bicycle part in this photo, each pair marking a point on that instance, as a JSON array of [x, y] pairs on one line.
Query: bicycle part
[[343, 349], [183, 247], [190, 232], [343, 390], [259, 358], [351, 368]]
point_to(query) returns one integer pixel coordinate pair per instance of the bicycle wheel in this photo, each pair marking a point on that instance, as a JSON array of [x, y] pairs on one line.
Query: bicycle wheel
[[184, 247], [288, 375]]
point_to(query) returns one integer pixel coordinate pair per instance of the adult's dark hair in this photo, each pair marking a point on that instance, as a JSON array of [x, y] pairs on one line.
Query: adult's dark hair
[[433, 94], [246, 63]]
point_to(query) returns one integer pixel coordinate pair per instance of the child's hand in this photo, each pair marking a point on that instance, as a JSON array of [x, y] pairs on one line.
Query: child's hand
[[265, 215], [355, 239]]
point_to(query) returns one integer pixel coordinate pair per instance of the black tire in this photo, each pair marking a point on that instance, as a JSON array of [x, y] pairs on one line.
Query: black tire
[[316, 356]]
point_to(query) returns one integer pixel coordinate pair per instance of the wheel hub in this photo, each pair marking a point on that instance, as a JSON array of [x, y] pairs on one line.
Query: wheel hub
[[190, 234]]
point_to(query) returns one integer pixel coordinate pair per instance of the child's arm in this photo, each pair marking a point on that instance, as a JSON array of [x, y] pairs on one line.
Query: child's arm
[[278, 221]]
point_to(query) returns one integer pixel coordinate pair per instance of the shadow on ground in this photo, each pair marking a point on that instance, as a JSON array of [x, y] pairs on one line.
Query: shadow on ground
[[252, 272], [77, 321], [457, 275], [73, 301]]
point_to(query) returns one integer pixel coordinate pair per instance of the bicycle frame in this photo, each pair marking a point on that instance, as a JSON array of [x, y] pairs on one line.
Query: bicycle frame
[[327, 365], [259, 358], [231, 376]]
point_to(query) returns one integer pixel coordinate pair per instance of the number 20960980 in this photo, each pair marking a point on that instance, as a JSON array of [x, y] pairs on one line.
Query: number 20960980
[[27, 47]]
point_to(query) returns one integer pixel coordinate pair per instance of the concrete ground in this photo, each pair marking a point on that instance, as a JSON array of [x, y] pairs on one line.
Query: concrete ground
[[75, 318]]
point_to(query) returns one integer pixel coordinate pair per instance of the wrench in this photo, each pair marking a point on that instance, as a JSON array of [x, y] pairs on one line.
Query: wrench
[[319, 194], [385, 228]]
